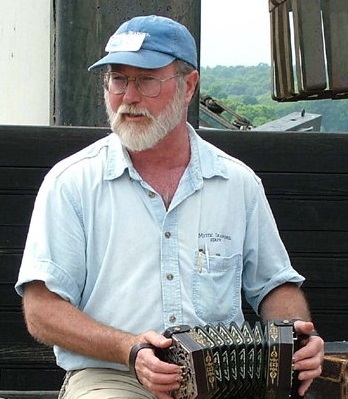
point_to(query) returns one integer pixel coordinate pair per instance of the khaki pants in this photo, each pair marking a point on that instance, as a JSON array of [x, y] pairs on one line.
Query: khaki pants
[[94, 383]]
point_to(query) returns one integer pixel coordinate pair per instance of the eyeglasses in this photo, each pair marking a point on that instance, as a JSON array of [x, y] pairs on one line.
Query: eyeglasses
[[148, 86]]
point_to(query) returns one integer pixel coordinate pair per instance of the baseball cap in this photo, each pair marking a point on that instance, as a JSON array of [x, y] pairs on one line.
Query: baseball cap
[[149, 42]]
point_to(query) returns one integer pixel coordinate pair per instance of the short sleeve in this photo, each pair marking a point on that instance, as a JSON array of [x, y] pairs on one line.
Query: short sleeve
[[266, 261], [55, 246]]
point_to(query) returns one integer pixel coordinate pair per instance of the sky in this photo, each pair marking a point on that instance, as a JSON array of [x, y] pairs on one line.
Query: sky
[[235, 32]]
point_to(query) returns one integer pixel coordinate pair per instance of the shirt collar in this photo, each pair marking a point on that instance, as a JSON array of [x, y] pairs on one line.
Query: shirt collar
[[117, 159], [206, 160]]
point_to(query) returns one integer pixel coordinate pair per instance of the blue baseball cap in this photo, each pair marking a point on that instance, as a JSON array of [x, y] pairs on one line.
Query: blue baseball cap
[[149, 42]]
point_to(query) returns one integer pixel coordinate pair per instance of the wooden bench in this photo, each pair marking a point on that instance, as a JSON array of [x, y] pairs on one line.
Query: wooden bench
[[306, 180]]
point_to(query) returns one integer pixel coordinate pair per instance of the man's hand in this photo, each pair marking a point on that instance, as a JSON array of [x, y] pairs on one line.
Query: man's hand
[[157, 376], [277, 305], [308, 359]]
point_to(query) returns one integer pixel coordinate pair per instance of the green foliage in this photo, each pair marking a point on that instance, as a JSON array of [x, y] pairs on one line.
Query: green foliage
[[247, 91]]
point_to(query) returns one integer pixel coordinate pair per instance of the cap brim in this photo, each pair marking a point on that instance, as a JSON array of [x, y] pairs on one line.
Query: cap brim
[[147, 59]]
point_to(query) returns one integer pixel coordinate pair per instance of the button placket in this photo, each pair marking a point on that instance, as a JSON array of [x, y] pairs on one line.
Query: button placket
[[171, 288]]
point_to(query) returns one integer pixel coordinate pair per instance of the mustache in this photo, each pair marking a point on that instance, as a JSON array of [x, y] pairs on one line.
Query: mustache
[[133, 109]]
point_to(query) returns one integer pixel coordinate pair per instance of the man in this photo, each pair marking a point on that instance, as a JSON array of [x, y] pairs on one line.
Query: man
[[149, 228]]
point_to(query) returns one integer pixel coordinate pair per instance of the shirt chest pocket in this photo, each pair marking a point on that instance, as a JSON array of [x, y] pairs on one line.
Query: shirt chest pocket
[[217, 286]]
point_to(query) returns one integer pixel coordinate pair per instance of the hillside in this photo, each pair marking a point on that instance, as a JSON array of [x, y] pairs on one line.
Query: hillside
[[247, 90]]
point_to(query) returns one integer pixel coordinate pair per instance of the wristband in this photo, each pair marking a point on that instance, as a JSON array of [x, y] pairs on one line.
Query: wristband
[[314, 333], [133, 355]]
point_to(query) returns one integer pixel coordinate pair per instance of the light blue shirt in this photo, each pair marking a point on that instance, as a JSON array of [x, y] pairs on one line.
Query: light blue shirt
[[101, 238]]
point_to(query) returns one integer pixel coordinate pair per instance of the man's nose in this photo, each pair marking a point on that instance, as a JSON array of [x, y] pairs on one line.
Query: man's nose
[[131, 94]]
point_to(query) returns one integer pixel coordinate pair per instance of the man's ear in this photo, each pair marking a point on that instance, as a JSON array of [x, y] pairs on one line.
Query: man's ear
[[192, 80]]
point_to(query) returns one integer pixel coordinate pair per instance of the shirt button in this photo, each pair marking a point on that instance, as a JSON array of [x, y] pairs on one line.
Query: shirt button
[[152, 194], [172, 319], [167, 234], [170, 276]]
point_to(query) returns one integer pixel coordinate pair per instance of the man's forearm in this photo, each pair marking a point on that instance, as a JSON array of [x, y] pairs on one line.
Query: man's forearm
[[285, 302], [52, 320]]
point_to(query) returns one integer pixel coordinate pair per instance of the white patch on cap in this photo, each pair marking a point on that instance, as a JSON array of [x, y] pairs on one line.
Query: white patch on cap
[[130, 41]]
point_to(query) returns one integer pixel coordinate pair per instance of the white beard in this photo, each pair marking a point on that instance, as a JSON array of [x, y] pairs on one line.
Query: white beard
[[136, 136]]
